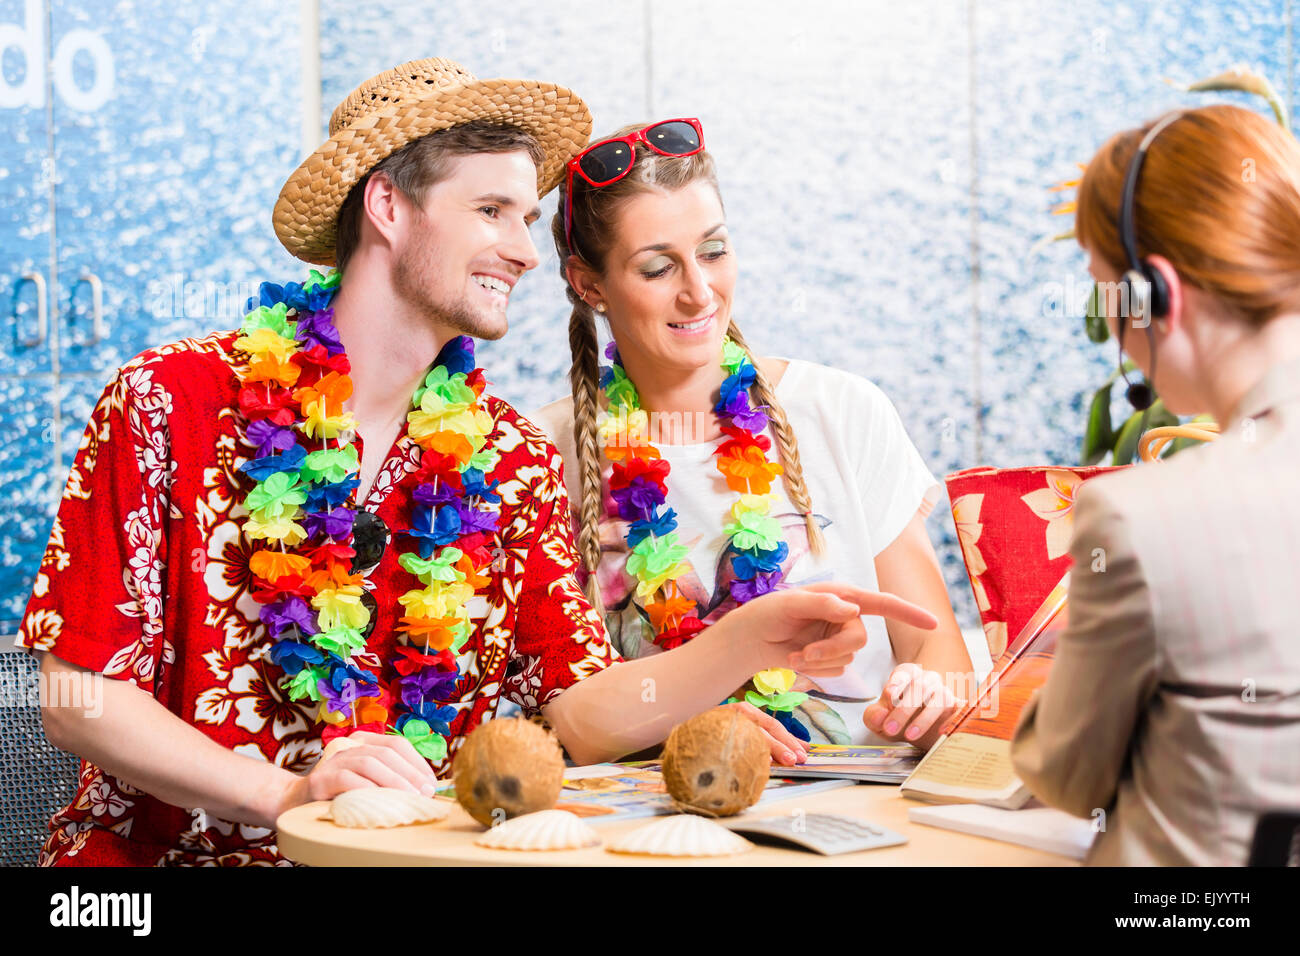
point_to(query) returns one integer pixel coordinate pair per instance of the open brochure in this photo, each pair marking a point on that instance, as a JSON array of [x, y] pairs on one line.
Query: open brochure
[[971, 763], [887, 763], [609, 792]]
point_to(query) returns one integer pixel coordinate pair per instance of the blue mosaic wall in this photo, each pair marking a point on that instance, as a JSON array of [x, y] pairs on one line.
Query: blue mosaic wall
[[884, 167], [885, 170], [151, 163]]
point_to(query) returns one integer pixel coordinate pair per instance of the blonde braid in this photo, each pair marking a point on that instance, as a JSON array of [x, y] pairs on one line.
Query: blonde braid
[[584, 378], [787, 446]]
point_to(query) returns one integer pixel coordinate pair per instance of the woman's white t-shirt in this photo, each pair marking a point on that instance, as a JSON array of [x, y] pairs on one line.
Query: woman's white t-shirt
[[866, 481]]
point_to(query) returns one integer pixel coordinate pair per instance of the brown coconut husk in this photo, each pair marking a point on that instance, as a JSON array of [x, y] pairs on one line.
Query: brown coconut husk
[[507, 768], [716, 764]]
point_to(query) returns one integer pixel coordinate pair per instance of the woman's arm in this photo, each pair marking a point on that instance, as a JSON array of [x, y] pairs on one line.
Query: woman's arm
[[934, 673], [910, 568], [633, 705], [1075, 734]]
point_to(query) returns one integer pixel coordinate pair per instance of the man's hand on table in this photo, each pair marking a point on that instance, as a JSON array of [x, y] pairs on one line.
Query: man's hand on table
[[377, 760]]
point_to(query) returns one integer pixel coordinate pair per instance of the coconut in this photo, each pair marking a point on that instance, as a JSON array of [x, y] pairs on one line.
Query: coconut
[[716, 764], [507, 768]]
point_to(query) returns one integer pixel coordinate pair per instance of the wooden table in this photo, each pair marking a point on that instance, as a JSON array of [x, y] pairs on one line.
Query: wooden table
[[306, 838]]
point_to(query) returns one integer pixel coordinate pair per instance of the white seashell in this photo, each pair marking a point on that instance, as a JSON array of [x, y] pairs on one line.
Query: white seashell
[[682, 835], [543, 830], [370, 807]]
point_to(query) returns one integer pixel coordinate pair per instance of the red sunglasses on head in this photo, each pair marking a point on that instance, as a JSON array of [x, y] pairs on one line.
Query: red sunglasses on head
[[609, 160]]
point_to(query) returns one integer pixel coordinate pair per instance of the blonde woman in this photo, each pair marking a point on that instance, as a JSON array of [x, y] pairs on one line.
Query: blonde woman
[[703, 476]]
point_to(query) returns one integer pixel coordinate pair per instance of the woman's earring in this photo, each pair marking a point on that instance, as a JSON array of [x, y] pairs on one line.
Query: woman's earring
[[600, 307]]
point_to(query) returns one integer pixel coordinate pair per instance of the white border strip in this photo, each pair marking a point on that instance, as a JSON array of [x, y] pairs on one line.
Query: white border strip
[[309, 74]]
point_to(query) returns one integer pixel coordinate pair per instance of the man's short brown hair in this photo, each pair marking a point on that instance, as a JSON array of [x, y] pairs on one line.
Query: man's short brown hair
[[418, 166]]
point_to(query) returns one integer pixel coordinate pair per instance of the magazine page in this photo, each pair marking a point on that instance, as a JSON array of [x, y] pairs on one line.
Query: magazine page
[[986, 699], [609, 792], [885, 763], [972, 762]]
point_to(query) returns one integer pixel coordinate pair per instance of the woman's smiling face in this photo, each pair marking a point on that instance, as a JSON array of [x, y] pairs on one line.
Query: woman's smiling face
[[669, 277]]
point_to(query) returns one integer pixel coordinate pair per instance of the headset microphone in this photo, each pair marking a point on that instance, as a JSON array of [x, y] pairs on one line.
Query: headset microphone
[[1140, 396], [1143, 292]]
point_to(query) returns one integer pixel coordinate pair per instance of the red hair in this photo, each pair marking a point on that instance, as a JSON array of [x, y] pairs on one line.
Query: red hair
[[1219, 198]]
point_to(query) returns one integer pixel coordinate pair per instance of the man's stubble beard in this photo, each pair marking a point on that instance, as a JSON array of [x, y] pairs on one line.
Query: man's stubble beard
[[412, 278]]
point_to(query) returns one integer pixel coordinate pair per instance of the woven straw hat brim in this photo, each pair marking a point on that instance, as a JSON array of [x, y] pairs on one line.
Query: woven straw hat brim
[[306, 214]]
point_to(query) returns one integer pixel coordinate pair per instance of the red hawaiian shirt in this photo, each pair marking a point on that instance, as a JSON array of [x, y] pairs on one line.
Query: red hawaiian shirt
[[146, 579]]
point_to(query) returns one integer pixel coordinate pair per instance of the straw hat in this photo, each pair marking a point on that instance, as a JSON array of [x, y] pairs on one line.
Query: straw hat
[[399, 106]]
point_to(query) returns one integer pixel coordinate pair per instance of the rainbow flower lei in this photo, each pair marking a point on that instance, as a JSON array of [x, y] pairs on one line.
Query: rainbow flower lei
[[656, 558], [303, 507]]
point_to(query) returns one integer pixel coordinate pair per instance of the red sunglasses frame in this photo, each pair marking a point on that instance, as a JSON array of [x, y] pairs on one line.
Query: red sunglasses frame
[[631, 139]]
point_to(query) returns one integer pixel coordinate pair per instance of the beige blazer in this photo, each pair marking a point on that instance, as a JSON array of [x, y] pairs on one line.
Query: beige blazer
[[1173, 704]]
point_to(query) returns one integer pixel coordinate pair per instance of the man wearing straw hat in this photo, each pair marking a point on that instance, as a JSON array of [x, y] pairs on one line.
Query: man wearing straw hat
[[259, 577]]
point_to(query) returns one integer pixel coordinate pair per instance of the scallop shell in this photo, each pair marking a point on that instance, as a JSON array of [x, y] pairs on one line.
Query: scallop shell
[[543, 830], [370, 807], [682, 835]]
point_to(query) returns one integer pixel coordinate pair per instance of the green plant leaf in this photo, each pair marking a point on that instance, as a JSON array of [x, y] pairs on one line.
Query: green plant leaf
[[1087, 450], [1099, 437], [1094, 319], [1126, 445]]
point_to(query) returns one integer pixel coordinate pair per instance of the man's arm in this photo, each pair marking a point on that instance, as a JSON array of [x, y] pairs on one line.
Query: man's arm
[[136, 739], [633, 705], [105, 593], [1074, 736]]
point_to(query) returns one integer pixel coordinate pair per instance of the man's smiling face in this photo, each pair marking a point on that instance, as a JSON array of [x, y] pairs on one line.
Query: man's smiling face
[[469, 243]]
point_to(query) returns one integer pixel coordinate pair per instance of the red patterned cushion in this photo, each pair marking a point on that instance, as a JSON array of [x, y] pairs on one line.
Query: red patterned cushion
[[1013, 525]]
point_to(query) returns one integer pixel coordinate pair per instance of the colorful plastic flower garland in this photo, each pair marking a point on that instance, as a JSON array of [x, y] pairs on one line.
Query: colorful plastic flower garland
[[292, 395], [639, 488]]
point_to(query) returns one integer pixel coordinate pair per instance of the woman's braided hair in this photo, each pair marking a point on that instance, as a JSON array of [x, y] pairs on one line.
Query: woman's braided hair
[[595, 214]]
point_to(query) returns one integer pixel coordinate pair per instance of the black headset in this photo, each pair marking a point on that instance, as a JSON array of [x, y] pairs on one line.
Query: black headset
[[1143, 292]]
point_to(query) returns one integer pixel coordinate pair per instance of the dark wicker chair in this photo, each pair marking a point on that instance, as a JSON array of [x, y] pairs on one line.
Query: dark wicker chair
[[36, 778]]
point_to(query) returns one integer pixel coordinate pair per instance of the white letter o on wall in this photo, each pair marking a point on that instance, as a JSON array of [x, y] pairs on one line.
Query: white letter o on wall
[[101, 89]]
